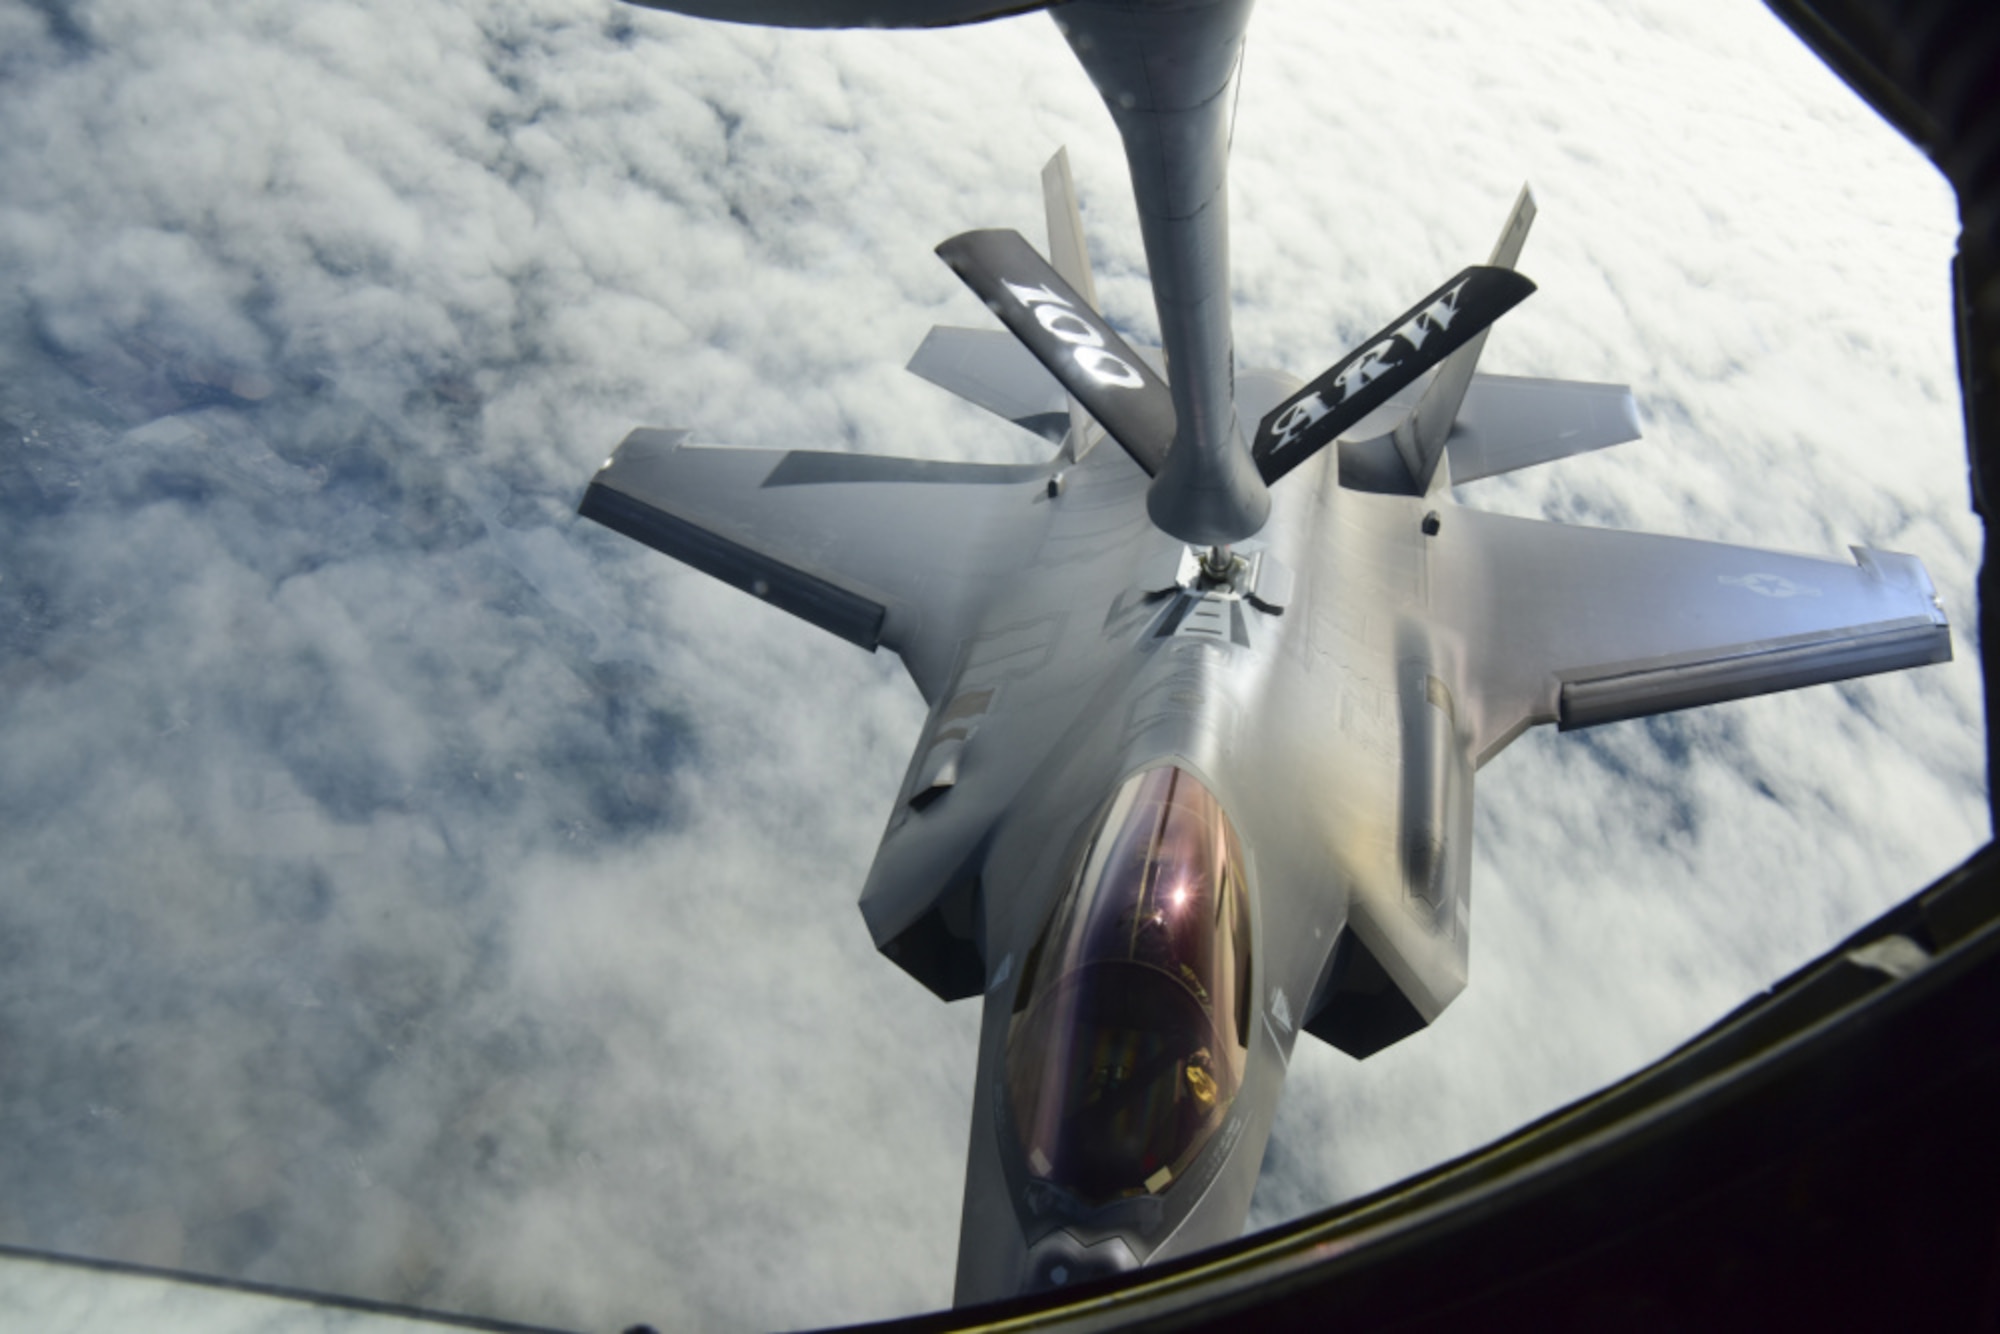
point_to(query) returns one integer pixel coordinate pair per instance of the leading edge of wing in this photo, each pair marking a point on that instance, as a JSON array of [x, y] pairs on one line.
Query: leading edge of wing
[[877, 550], [1580, 626]]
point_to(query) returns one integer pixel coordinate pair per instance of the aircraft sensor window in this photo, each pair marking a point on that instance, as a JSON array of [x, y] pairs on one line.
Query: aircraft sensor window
[[1128, 1038]]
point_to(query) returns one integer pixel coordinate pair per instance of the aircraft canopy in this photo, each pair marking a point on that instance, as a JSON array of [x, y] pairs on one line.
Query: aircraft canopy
[[1130, 1029]]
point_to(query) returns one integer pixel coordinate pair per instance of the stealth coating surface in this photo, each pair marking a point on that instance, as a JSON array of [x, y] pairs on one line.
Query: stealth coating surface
[[898, 553], [1577, 626]]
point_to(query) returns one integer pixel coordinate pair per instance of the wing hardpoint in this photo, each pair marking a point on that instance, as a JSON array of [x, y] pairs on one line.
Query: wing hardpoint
[[1579, 626], [881, 551]]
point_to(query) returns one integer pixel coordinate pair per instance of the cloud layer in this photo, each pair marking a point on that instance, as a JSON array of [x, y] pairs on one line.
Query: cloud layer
[[412, 891]]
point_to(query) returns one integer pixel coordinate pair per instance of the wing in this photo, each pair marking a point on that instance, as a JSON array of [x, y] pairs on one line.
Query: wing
[[1580, 626], [881, 551]]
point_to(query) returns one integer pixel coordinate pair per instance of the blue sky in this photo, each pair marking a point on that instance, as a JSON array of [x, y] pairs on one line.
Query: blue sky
[[412, 891]]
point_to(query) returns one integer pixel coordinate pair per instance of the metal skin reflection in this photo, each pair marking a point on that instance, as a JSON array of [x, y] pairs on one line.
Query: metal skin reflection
[[1130, 1028]]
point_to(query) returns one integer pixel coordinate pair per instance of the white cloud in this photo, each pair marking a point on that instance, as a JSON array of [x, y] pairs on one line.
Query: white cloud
[[414, 891]]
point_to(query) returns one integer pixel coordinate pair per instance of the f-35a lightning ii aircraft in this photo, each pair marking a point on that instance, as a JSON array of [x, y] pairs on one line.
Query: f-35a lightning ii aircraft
[[1206, 704]]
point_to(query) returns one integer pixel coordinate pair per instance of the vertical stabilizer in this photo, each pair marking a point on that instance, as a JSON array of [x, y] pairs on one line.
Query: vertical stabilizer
[[1421, 437], [1070, 257], [1068, 254]]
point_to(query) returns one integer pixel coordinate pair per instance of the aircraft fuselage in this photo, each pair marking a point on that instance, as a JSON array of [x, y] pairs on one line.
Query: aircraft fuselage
[[1305, 697]]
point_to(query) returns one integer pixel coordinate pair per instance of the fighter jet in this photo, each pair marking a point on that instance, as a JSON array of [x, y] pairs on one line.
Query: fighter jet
[[1208, 689]]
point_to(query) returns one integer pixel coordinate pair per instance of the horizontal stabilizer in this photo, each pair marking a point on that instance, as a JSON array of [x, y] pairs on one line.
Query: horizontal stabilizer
[[847, 13], [1422, 436], [1114, 384], [1362, 381], [1069, 255], [991, 369], [1510, 421]]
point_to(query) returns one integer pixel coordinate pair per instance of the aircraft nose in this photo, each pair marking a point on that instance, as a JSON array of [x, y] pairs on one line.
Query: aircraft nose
[[1060, 1260]]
